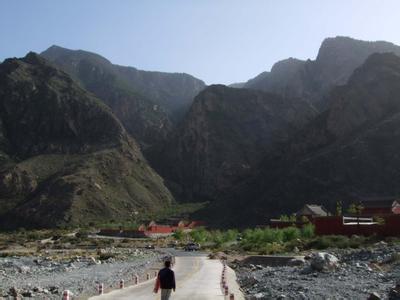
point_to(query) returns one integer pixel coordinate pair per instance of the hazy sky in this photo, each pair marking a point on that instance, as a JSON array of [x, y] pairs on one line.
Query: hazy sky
[[219, 41]]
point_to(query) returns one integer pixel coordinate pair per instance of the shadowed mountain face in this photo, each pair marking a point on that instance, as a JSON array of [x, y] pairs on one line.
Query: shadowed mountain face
[[348, 152], [312, 80], [64, 157], [224, 136], [308, 131], [147, 103]]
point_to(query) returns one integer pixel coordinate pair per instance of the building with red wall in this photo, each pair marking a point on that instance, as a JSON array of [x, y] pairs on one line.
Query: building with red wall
[[380, 206], [152, 229], [336, 225]]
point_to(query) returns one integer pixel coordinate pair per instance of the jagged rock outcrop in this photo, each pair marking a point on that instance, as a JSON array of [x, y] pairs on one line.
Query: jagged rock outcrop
[[65, 158], [223, 137], [348, 152], [280, 80], [311, 80], [147, 103]]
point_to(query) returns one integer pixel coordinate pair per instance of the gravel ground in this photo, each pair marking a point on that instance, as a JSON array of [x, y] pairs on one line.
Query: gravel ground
[[358, 274], [46, 278]]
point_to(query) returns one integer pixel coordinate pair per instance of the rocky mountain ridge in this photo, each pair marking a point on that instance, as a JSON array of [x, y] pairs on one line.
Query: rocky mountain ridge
[[65, 158], [312, 80], [224, 136], [308, 131], [147, 103], [346, 153]]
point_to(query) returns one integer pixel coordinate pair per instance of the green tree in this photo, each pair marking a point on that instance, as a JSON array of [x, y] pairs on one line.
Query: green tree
[[379, 220], [286, 218], [339, 208], [199, 235], [230, 235], [178, 234], [355, 209], [305, 220]]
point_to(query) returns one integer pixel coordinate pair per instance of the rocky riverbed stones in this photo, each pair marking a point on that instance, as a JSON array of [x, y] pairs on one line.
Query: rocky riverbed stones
[[334, 274], [46, 277]]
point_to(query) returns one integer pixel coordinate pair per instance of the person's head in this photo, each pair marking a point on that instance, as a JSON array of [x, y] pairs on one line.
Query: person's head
[[167, 264]]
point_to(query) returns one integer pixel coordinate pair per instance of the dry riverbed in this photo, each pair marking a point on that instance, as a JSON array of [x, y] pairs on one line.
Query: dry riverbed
[[46, 276], [356, 274]]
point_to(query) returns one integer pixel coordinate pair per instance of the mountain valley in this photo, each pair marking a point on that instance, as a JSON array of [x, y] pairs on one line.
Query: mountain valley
[[73, 127]]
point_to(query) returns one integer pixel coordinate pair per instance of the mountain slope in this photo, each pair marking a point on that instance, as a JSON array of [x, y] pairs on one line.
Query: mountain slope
[[224, 136], [348, 152], [147, 103], [65, 158], [311, 80]]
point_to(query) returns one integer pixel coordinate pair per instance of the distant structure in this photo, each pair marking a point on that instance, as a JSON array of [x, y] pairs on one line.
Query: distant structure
[[380, 206], [153, 230], [311, 211], [377, 216], [305, 215]]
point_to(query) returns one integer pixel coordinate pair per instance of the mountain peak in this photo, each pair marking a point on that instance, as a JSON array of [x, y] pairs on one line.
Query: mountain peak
[[285, 65], [55, 52], [34, 59], [342, 47]]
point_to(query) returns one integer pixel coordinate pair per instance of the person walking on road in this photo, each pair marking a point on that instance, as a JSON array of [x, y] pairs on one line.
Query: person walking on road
[[165, 281]]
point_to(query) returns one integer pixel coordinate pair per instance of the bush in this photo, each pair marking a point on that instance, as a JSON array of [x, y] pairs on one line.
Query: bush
[[199, 235], [105, 256], [319, 243], [33, 236], [330, 241], [308, 231], [290, 233], [394, 258], [230, 235], [339, 241], [217, 237], [272, 248], [178, 234], [82, 234]]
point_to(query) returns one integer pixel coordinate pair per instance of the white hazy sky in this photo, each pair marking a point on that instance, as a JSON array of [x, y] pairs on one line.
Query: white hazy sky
[[219, 41]]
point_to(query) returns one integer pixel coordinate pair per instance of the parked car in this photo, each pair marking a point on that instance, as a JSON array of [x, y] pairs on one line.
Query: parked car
[[150, 247], [192, 247]]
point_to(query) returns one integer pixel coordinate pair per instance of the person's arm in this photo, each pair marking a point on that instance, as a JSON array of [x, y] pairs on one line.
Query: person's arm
[[173, 281]]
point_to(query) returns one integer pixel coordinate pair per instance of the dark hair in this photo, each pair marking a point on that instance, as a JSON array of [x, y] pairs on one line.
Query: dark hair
[[167, 263]]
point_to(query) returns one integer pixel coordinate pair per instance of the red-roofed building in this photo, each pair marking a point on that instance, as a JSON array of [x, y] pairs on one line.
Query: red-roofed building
[[195, 224]]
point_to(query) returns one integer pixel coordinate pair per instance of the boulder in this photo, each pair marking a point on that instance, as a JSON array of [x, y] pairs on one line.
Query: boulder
[[323, 261], [258, 296], [374, 296], [297, 262], [24, 269], [92, 261], [14, 292], [394, 293], [28, 294]]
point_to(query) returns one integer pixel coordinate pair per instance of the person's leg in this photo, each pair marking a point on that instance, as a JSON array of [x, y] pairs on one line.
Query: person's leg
[[165, 294]]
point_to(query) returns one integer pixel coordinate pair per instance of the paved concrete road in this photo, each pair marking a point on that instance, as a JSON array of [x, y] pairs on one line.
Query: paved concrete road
[[197, 278]]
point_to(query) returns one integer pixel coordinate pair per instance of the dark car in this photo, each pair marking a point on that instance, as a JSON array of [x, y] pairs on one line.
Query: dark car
[[192, 247]]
